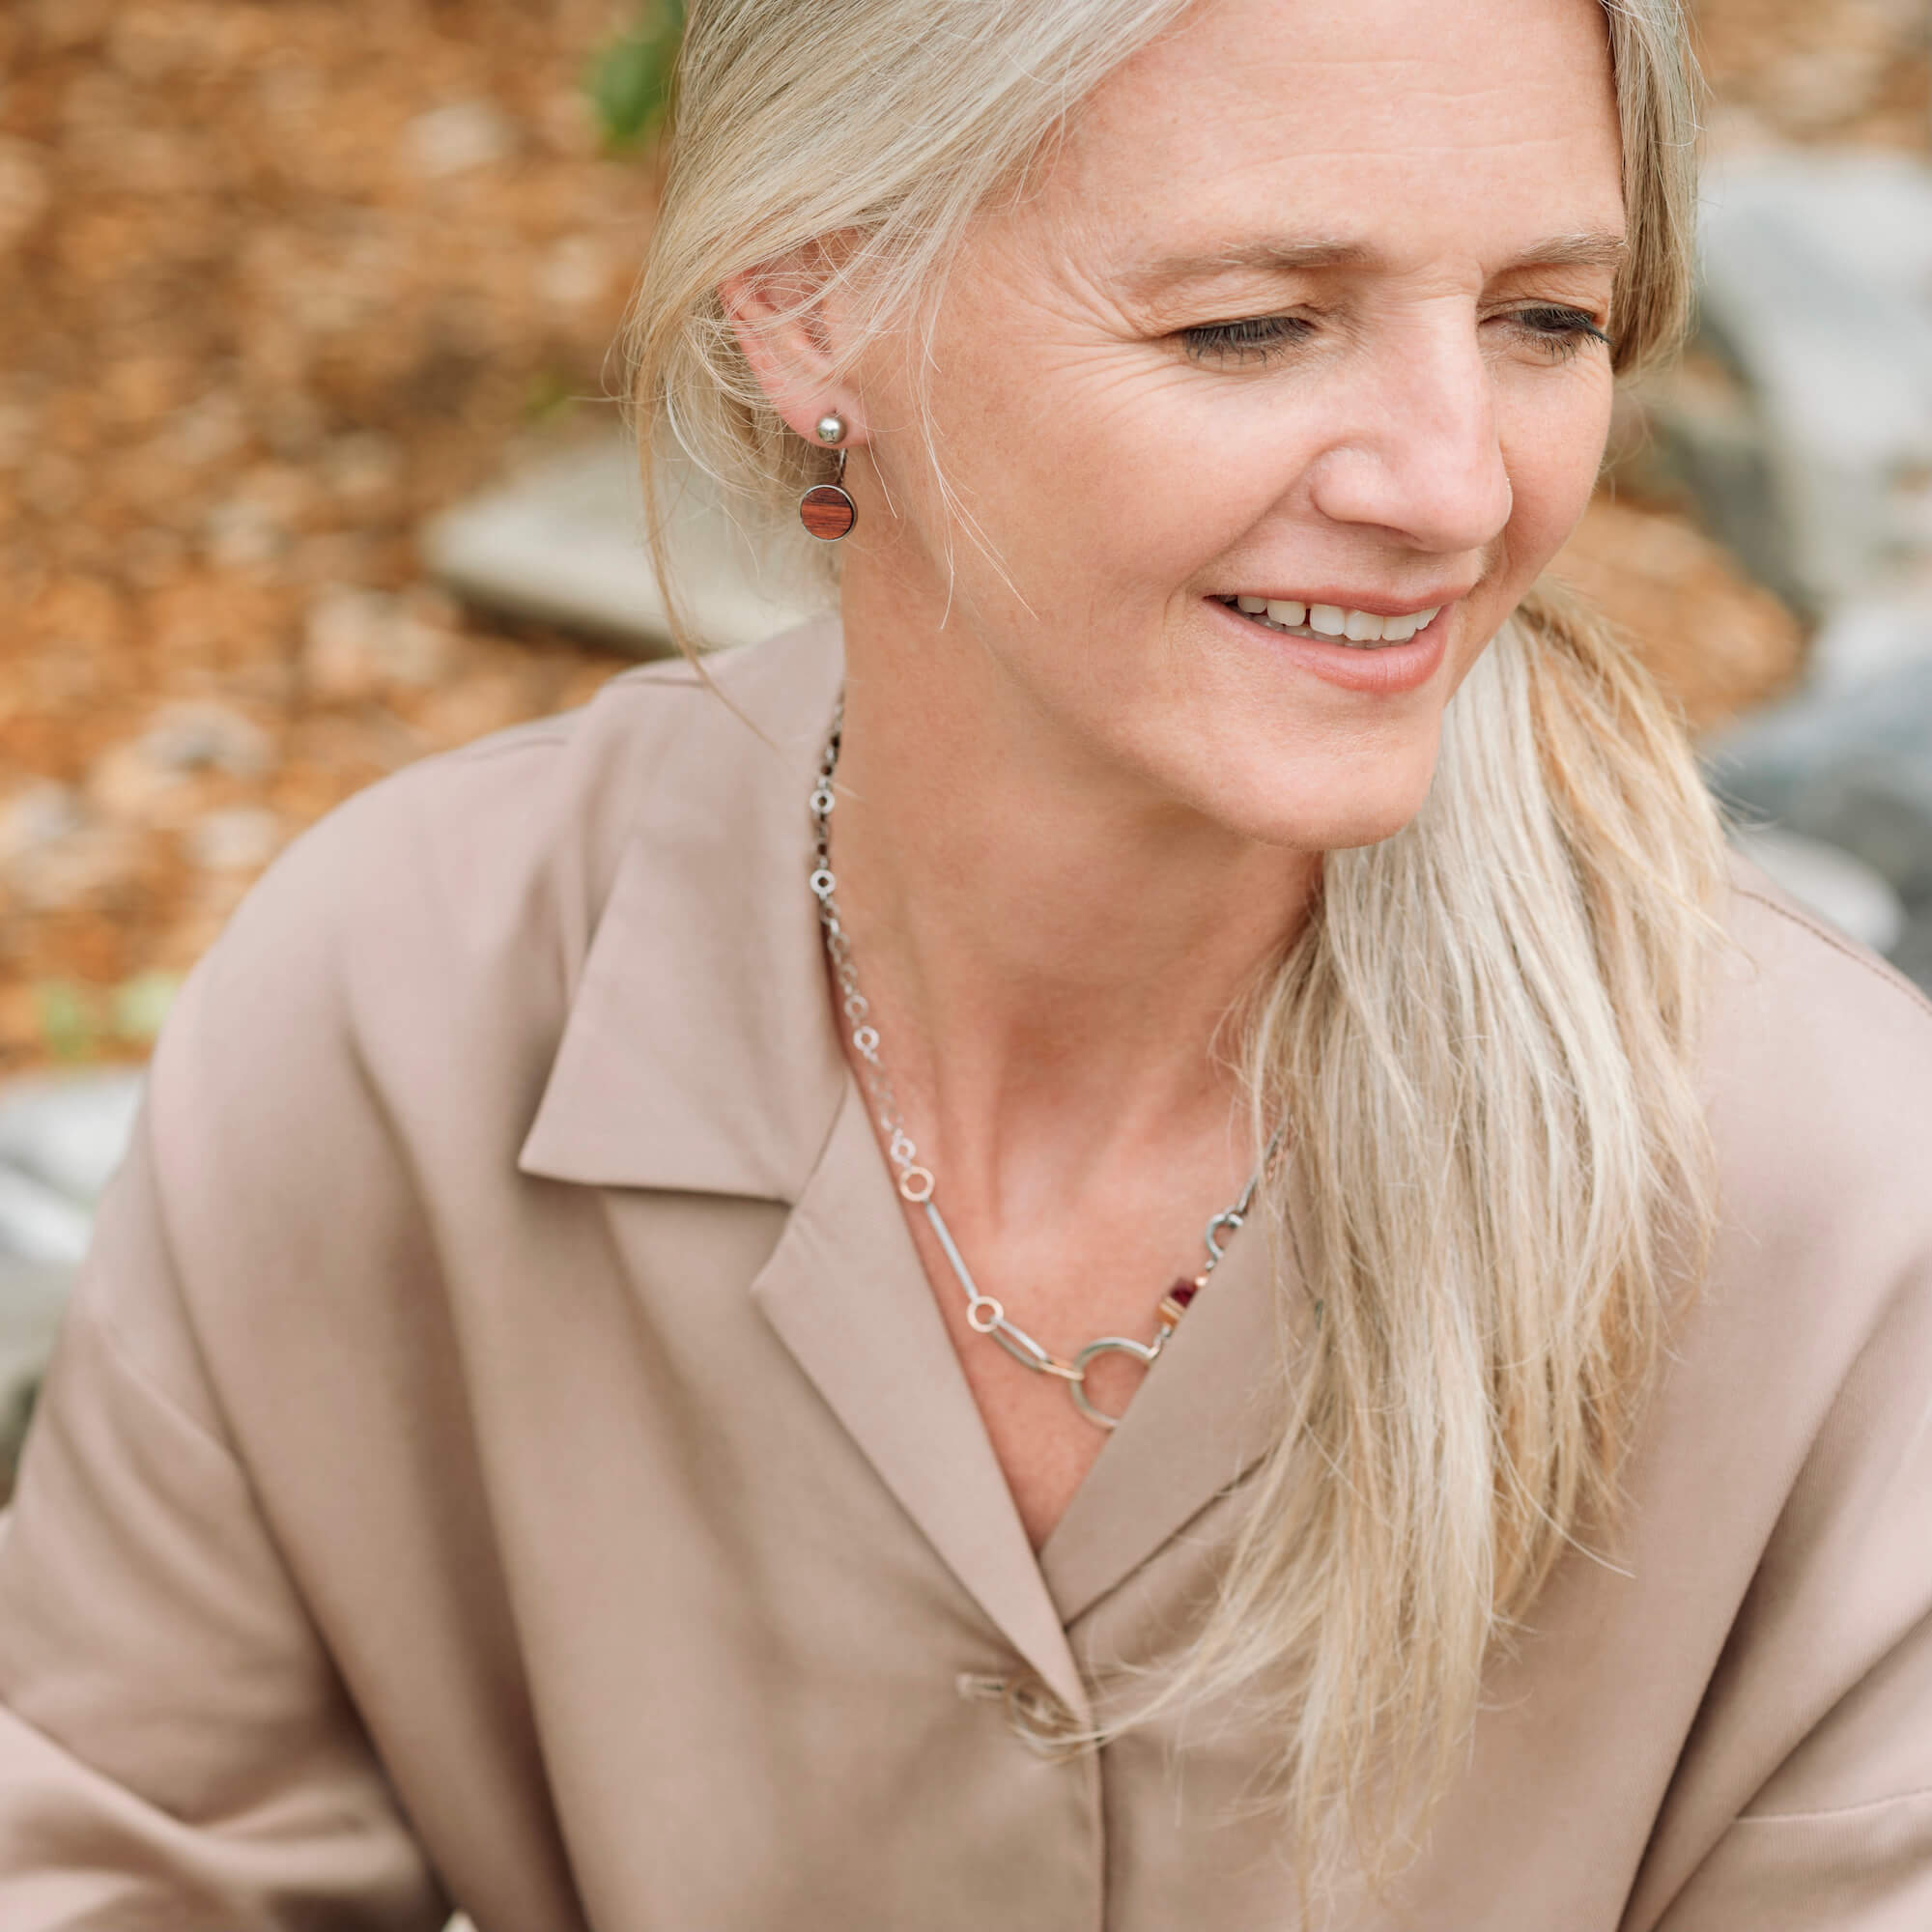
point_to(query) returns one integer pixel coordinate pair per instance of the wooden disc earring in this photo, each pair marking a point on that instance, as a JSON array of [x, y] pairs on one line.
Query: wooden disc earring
[[827, 512]]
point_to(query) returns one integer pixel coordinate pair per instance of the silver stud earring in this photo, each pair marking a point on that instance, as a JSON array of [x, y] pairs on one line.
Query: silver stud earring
[[827, 512]]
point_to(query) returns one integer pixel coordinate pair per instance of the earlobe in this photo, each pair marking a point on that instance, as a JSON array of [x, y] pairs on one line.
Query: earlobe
[[784, 335]]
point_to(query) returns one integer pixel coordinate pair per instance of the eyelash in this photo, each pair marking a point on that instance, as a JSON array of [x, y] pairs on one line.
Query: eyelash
[[1572, 328], [1259, 337]]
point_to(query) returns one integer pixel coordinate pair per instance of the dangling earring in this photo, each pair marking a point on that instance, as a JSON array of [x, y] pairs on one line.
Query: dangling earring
[[825, 510]]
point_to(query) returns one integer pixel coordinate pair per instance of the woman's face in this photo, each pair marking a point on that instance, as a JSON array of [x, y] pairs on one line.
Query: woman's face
[[1306, 309]]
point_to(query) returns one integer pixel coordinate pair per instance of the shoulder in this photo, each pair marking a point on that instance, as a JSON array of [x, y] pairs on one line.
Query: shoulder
[[405, 972], [1818, 1072], [1788, 1480], [509, 846], [1818, 1067], [558, 799], [1791, 960]]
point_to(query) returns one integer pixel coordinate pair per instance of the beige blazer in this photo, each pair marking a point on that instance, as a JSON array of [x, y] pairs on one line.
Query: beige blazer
[[503, 1450]]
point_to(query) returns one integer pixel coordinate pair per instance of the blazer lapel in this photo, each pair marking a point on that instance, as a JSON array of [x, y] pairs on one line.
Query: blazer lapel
[[845, 1292], [699, 1055], [1198, 1423]]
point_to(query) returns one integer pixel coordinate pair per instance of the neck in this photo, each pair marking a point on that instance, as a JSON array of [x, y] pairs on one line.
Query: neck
[[1050, 951]]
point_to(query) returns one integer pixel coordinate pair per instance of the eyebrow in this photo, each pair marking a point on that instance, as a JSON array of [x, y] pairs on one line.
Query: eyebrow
[[1594, 249]]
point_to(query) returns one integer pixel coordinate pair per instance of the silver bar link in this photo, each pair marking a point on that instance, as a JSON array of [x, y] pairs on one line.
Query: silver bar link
[[1031, 1354]]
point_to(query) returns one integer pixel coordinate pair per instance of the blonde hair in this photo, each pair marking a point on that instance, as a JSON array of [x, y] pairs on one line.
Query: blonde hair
[[1483, 1037]]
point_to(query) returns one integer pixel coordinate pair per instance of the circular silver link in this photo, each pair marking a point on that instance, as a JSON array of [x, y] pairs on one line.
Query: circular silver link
[[978, 1319], [1144, 1352], [985, 1314]]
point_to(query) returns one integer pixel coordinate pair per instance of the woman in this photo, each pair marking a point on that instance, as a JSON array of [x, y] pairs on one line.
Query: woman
[[654, 1363]]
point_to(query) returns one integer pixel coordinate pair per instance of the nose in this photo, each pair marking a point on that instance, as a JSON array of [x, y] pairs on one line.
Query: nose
[[1417, 452]]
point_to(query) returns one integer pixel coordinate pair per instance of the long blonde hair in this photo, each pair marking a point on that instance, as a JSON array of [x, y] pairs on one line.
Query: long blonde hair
[[1483, 1037]]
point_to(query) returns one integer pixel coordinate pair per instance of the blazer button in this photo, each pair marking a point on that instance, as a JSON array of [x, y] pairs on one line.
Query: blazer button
[[1039, 1718]]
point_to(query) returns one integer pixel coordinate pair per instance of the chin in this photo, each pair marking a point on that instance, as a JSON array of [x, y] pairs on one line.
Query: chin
[[1340, 832], [1325, 806]]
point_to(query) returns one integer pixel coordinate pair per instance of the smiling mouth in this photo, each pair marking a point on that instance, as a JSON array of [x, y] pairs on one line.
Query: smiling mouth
[[1330, 623]]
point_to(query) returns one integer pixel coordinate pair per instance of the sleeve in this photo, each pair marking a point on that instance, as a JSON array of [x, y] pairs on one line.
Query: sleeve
[[1858, 1868], [176, 1749], [1828, 1678]]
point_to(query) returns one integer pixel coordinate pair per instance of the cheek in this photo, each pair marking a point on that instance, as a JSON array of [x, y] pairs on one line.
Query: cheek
[[1122, 488], [1082, 462], [1554, 443], [1091, 515]]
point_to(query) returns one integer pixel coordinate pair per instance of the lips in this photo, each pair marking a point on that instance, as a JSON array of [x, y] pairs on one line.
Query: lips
[[1384, 668]]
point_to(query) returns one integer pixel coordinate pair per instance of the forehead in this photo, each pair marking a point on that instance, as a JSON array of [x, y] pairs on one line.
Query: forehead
[[1409, 127]]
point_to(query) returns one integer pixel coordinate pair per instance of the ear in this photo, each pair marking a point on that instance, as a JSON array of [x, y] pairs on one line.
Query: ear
[[787, 325]]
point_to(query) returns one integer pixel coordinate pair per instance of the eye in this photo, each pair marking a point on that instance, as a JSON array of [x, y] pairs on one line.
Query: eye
[[1557, 331], [1254, 339]]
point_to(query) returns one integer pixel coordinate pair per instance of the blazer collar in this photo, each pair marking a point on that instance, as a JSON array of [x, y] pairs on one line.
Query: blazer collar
[[699, 1055]]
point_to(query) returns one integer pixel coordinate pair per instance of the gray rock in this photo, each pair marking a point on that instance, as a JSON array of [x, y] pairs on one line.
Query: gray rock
[[1707, 436], [1880, 809], [60, 1142], [1868, 638], [1816, 288], [1851, 768], [69, 1133], [1871, 210], [564, 544], [1839, 888], [32, 1299], [1913, 954], [40, 1224]]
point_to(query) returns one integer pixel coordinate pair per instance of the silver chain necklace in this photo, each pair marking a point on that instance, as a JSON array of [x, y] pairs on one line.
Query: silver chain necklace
[[985, 1314]]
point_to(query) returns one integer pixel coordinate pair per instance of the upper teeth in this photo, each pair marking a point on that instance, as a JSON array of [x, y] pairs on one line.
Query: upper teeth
[[1331, 620]]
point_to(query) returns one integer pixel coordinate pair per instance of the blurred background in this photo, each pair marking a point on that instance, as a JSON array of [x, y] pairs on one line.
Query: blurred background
[[308, 468]]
